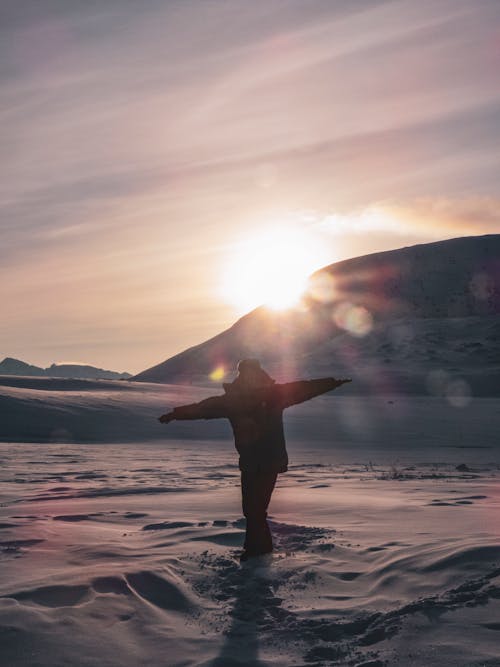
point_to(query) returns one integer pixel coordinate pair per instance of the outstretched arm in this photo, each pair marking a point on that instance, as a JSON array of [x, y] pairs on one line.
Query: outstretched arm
[[210, 408], [292, 393]]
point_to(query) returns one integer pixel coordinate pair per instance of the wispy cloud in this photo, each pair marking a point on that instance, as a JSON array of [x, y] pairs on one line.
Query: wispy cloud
[[428, 218]]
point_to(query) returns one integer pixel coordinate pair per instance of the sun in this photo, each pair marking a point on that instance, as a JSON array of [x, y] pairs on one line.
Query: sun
[[270, 268]]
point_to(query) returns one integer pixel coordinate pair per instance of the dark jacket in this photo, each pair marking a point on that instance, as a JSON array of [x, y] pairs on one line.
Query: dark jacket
[[256, 416]]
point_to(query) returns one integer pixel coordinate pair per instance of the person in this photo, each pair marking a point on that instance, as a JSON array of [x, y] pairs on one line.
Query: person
[[254, 405]]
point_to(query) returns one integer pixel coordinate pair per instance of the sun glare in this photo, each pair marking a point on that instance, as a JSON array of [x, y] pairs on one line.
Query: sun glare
[[271, 269]]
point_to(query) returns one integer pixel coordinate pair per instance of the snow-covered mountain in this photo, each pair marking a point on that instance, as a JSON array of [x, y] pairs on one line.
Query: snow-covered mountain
[[10, 366], [417, 319]]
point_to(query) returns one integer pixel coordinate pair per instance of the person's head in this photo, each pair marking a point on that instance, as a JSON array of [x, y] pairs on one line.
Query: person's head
[[252, 375]]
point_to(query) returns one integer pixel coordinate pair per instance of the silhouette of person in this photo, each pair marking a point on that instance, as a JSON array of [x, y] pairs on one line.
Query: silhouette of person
[[254, 405]]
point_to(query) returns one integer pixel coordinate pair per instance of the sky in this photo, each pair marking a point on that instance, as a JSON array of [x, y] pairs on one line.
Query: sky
[[146, 145]]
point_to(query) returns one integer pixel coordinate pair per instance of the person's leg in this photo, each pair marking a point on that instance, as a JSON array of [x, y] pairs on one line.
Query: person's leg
[[249, 488], [256, 490], [267, 483]]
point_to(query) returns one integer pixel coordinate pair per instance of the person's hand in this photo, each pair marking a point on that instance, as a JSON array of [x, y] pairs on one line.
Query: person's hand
[[166, 418]]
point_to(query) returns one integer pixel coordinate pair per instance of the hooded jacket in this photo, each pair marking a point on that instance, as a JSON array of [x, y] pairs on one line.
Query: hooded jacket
[[256, 417]]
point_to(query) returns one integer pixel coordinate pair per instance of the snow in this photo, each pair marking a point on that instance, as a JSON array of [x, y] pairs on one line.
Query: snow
[[122, 550]]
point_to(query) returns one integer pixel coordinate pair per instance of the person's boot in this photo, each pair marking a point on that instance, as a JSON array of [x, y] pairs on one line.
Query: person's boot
[[246, 554]]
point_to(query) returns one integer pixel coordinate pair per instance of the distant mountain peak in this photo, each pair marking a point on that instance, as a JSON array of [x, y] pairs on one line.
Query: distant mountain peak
[[11, 366]]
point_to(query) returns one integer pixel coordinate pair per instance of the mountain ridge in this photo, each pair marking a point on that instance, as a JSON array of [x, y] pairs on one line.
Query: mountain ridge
[[383, 311], [11, 366]]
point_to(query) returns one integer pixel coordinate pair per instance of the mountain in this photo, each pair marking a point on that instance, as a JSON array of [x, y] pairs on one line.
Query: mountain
[[419, 319], [84, 371], [11, 366]]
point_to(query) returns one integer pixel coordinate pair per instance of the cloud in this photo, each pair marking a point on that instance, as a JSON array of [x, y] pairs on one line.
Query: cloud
[[443, 217], [426, 218]]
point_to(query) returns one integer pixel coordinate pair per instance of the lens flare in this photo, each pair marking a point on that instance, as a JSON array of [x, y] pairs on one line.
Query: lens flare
[[357, 320], [481, 286], [321, 287], [217, 374], [458, 393]]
